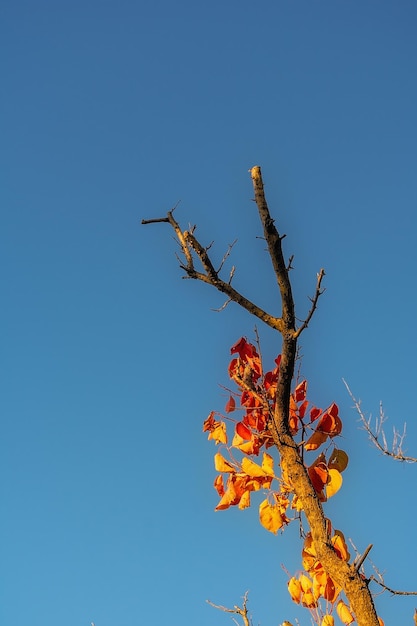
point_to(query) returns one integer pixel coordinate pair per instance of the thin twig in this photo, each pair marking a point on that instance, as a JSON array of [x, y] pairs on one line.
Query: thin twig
[[393, 591], [377, 433], [314, 301], [237, 610]]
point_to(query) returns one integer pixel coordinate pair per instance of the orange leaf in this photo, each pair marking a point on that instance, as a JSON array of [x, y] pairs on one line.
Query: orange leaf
[[218, 485], [339, 544], [270, 516], [315, 441], [318, 473], [221, 465]]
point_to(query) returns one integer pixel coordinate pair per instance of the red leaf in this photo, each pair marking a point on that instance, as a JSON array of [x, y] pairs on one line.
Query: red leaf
[[243, 431], [231, 405]]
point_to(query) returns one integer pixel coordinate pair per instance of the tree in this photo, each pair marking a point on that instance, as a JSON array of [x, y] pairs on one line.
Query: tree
[[278, 415]]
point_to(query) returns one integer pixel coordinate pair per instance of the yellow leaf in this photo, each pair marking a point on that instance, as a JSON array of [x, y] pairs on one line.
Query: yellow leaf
[[294, 589], [308, 600], [334, 482], [252, 469], [328, 620], [219, 433], [268, 464], [306, 583], [221, 464], [344, 613], [270, 516], [241, 444]]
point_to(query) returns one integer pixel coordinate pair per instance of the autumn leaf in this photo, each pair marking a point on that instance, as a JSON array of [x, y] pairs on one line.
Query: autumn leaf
[[315, 441], [334, 482], [243, 431], [339, 544], [252, 469], [294, 589], [270, 516], [218, 485], [221, 465], [219, 433], [328, 620], [300, 391], [230, 405], [268, 464], [344, 613], [338, 460], [248, 447]]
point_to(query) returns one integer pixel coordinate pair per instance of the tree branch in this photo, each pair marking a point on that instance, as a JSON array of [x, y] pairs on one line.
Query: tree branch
[[189, 244], [293, 469], [243, 612], [377, 433]]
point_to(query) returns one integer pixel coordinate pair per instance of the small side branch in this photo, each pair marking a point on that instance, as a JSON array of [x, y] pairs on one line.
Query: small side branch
[[314, 302], [358, 562], [394, 592], [189, 245], [377, 435], [242, 611]]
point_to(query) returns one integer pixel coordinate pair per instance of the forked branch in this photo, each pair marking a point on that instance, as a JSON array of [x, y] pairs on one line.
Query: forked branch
[[377, 436], [237, 610]]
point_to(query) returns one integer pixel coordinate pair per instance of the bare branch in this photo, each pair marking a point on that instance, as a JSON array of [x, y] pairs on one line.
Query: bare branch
[[376, 433], [242, 611], [189, 244], [360, 559], [223, 306], [226, 254], [314, 301], [393, 591]]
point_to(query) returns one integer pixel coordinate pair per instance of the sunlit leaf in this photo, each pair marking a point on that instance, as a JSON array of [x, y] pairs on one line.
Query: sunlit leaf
[[218, 485], [334, 482], [253, 469], [294, 588], [315, 441], [219, 433], [221, 465], [344, 613], [270, 516], [339, 544]]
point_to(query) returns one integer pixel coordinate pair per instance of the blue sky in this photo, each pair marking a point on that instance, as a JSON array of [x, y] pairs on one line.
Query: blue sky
[[111, 112]]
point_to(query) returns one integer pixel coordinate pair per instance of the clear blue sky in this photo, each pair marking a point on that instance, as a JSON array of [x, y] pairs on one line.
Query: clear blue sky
[[114, 111]]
